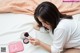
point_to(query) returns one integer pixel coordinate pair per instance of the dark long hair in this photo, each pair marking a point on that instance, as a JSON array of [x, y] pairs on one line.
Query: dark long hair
[[48, 12]]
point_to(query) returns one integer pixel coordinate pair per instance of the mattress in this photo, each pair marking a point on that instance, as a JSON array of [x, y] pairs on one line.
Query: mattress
[[13, 25]]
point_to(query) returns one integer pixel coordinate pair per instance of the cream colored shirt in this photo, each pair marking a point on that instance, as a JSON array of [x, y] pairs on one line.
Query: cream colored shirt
[[66, 35]]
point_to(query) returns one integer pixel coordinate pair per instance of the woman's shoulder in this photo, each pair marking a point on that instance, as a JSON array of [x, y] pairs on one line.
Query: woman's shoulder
[[65, 23], [65, 20]]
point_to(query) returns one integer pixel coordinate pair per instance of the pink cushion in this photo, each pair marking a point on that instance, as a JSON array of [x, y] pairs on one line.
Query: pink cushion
[[16, 47]]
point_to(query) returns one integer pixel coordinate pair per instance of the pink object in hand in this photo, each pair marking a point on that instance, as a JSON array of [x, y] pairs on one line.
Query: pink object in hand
[[16, 47]]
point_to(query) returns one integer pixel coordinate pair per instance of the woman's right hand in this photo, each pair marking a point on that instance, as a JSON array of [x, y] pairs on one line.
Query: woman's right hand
[[35, 25]]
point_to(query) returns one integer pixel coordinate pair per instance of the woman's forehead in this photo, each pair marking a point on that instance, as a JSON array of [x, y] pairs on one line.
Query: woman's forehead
[[39, 18]]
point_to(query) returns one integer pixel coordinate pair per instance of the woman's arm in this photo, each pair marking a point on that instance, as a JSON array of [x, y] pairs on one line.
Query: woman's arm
[[59, 40], [40, 43], [45, 46], [35, 25]]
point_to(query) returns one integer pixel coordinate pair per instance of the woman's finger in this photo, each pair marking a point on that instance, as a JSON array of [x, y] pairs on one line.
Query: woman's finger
[[33, 42]]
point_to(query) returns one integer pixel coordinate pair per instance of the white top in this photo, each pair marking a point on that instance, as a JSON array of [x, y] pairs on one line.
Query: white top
[[66, 35]]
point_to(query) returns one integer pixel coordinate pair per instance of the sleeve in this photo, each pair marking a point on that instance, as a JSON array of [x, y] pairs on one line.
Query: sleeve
[[59, 39]]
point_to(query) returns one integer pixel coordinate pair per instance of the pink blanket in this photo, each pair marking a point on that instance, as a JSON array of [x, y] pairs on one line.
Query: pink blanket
[[28, 6]]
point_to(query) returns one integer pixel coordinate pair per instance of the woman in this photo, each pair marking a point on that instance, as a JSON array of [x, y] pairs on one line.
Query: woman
[[62, 28]]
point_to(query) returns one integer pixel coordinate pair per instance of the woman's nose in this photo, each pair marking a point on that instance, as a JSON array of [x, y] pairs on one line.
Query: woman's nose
[[43, 24]]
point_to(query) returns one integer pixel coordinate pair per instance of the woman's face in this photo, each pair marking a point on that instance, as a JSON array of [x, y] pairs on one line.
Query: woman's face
[[44, 23]]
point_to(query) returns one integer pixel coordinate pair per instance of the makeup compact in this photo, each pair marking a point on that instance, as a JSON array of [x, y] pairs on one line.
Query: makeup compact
[[26, 40]]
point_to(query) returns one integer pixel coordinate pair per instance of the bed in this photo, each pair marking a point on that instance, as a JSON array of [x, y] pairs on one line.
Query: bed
[[13, 25], [16, 17]]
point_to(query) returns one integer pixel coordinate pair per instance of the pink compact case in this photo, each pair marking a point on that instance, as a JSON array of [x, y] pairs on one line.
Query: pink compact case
[[15, 47]]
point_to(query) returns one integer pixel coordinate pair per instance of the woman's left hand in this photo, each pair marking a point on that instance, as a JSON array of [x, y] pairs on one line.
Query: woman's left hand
[[34, 41]]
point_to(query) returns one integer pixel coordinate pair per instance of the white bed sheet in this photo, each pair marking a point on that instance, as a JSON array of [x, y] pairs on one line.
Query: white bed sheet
[[13, 25]]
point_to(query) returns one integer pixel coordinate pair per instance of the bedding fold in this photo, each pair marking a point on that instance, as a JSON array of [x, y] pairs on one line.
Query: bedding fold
[[28, 6]]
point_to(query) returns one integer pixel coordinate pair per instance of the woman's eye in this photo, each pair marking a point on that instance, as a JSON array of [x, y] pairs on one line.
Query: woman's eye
[[46, 23]]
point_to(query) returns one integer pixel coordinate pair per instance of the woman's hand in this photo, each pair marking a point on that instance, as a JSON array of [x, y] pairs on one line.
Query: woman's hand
[[34, 41], [35, 25]]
